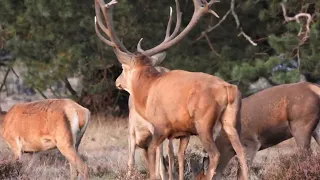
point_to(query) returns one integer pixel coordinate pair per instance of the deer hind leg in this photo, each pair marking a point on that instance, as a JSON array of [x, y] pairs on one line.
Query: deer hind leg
[[204, 127], [302, 134], [65, 143], [252, 147], [227, 152], [74, 159], [229, 121], [184, 141]]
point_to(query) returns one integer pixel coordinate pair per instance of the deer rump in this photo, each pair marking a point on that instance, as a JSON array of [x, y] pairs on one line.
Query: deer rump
[[47, 124], [274, 115]]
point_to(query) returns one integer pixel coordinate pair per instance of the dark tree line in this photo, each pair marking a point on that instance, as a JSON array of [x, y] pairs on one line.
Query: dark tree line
[[250, 40]]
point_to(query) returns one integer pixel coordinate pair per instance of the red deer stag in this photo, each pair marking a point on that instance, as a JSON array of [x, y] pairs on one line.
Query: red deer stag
[[274, 115], [47, 124], [140, 134], [177, 103]]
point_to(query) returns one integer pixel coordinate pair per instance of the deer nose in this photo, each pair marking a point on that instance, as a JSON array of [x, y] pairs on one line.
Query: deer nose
[[118, 85]]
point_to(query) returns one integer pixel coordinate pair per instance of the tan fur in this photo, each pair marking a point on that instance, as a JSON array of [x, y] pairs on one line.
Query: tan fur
[[47, 124], [274, 115], [140, 134], [181, 103]]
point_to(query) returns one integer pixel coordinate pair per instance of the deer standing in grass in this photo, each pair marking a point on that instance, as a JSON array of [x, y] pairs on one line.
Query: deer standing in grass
[[140, 134], [177, 103], [274, 115], [47, 124]]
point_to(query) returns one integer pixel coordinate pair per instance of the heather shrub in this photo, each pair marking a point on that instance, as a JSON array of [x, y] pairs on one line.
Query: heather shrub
[[295, 167]]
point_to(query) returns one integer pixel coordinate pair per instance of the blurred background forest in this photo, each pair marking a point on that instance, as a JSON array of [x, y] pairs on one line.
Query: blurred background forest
[[49, 44]]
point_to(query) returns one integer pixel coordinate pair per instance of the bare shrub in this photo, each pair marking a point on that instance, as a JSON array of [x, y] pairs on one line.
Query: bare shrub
[[295, 167], [10, 169]]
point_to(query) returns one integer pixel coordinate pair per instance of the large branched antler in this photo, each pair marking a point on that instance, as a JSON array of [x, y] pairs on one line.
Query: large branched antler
[[168, 37], [109, 30], [201, 7]]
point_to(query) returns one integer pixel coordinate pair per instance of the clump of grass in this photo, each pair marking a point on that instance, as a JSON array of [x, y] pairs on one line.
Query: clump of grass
[[135, 175], [10, 169], [192, 166], [295, 167]]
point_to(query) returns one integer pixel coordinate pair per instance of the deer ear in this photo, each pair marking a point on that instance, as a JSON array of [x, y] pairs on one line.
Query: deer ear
[[158, 58]]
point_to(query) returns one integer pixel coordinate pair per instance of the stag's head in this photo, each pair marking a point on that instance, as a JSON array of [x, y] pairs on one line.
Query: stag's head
[[133, 62]]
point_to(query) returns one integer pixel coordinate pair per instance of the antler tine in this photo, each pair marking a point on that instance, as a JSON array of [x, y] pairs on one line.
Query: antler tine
[[139, 46], [107, 10], [100, 35], [169, 25], [201, 7], [178, 22], [168, 37]]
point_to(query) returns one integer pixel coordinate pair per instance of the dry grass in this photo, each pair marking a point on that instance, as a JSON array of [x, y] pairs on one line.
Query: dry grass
[[104, 148]]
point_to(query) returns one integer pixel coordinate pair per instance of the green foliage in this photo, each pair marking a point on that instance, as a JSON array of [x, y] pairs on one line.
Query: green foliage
[[56, 39]]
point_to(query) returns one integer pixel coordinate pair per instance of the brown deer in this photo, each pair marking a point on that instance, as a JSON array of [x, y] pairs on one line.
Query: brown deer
[[274, 115], [177, 103], [47, 124], [140, 134]]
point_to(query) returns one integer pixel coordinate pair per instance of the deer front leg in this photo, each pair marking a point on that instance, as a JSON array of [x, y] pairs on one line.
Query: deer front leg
[[184, 141]]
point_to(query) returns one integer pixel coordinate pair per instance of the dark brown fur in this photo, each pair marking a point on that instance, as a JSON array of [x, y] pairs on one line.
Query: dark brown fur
[[275, 115]]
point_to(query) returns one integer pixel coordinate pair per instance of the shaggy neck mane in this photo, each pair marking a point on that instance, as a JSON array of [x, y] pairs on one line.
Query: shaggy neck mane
[[142, 81]]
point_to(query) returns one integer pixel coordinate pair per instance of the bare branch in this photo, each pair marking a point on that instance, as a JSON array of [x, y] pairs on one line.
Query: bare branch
[[234, 14], [210, 45], [215, 26], [239, 26], [41, 93], [248, 38], [296, 18]]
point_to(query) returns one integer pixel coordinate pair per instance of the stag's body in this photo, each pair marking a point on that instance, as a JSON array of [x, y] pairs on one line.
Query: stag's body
[[274, 115], [140, 135], [47, 124], [195, 104]]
